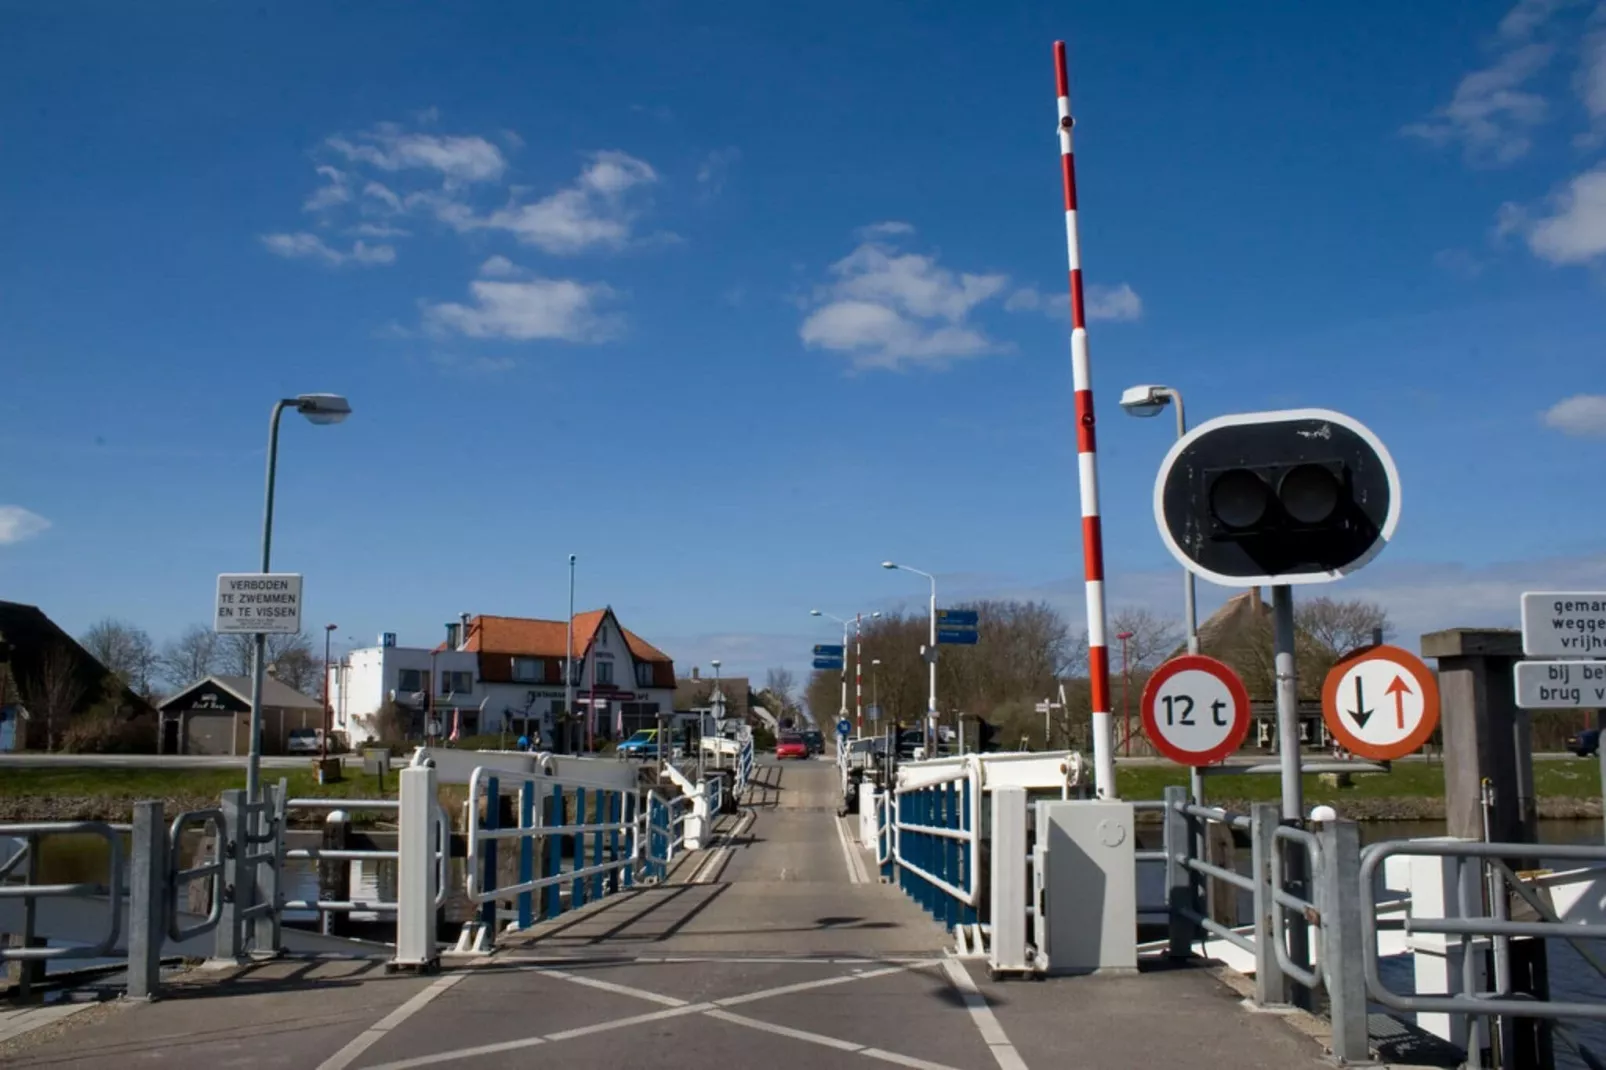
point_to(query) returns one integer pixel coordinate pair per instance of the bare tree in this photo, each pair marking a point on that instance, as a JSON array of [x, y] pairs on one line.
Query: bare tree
[[1152, 638], [52, 689], [191, 657], [289, 652], [295, 664], [781, 683], [1341, 626], [126, 650]]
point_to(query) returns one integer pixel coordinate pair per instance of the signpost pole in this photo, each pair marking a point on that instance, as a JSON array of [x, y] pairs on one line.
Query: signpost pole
[[253, 762], [1282, 608]]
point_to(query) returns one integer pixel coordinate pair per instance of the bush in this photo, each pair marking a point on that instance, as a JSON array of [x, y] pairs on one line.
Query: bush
[[106, 733]]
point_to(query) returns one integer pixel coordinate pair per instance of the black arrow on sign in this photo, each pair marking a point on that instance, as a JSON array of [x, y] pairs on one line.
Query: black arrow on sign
[[1360, 712]]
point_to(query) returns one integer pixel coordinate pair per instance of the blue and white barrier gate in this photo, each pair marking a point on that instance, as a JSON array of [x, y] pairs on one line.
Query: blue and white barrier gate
[[932, 844], [666, 832], [604, 845]]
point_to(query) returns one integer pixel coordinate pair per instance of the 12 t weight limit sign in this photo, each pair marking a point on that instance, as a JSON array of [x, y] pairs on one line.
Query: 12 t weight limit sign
[[1195, 710]]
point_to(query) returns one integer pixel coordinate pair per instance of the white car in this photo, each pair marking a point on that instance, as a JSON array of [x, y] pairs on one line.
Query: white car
[[304, 741]]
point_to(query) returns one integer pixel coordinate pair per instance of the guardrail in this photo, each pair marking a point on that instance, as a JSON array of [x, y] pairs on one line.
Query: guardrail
[[935, 842], [440, 846], [30, 891], [666, 831], [612, 824], [180, 879]]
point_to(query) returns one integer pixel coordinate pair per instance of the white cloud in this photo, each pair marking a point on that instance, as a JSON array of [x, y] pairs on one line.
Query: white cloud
[[387, 197], [1590, 80], [390, 148], [378, 230], [1582, 415], [17, 524], [303, 245], [1110, 303], [526, 311], [715, 168], [595, 212], [1490, 113], [499, 267], [890, 229], [1574, 232], [335, 190], [888, 309], [1528, 16]]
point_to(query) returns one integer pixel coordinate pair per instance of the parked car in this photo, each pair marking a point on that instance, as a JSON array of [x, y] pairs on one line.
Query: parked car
[[1585, 743], [815, 739], [304, 741], [644, 744], [791, 745]]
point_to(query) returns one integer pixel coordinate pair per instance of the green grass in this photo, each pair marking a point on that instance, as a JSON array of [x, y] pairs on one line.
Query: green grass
[[134, 784], [1559, 778]]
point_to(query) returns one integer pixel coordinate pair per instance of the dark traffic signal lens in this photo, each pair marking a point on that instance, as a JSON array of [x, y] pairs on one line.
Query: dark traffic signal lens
[[1239, 498], [1309, 493]]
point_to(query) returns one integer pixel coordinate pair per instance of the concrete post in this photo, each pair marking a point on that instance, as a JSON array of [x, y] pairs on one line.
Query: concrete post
[[1271, 988], [1341, 899], [416, 873], [334, 878], [697, 820], [148, 900], [1178, 878], [228, 946], [1486, 737]]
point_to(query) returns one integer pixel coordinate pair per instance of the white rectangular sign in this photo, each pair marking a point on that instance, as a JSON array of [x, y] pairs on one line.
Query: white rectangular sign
[[250, 602], [1560, 685], [1564, 624]]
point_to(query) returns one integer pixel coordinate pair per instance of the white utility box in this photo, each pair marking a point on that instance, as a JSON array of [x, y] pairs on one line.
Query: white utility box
[[1086, 892]]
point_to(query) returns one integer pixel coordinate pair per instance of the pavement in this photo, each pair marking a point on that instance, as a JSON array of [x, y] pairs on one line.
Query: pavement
[[776, 947]]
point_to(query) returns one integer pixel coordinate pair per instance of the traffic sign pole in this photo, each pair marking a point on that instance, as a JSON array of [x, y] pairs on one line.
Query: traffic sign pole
[[1282, 611]]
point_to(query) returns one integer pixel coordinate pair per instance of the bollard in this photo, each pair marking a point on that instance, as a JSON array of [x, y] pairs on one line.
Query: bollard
[[1341, 900], [416, 878], [1271, 988], [148, 900], [334, 877], [1178, 879]]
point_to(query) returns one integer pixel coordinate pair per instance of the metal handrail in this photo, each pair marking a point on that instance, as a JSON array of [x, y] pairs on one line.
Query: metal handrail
[[1283, 899], [1475, 1004], [113, 891], [969, 772], [443, 855], [180, 878]]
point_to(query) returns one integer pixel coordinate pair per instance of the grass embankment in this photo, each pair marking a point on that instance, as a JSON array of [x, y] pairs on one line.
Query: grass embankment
[[1410, 791]]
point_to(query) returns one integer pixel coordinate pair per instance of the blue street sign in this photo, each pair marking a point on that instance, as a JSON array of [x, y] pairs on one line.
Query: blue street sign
[[843, 728], [956, 618], [873, 712], [828, 651], [957, 636], [828, 663]]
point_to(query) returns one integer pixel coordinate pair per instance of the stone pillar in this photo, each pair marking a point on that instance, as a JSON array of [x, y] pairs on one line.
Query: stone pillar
[[1486, 737]]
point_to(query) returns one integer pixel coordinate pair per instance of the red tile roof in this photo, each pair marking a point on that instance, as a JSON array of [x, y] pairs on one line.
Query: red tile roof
[[525, 637]]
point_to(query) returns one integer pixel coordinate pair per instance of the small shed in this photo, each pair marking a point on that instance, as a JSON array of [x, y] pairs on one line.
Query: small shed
[[213, 716]]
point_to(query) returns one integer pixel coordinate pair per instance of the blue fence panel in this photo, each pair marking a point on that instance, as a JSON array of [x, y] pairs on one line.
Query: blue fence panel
[[493, 819]]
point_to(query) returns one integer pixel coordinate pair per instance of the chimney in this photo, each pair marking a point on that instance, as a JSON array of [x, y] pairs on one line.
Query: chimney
[[451, 636], [462, 635], [1256, 606], [694, 673]]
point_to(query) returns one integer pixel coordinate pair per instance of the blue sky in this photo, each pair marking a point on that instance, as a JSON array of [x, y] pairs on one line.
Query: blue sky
[[736, 304]]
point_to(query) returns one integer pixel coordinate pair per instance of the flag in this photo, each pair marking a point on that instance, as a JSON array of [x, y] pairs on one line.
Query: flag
[[457, 725]]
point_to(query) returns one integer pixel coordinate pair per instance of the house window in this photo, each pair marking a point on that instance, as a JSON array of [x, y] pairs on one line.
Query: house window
[[410, 680], [576, 669], [643, 674], [528, 670], [604, 670], [461, 683]]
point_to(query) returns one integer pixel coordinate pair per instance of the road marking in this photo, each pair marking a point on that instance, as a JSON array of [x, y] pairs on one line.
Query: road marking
[[992, 1034], [853, 862], [804, 986], [718, 854], [825, 1041], [530, 1042], [608, 986], [376, 1032], [637, 1019]]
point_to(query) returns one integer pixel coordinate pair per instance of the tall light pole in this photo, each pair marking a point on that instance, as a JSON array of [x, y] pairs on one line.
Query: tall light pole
[[1126, 698], [323, 744], [858, 661], [1149, 401], [568, 662], [319, 409], [931, 657], [875, 688]]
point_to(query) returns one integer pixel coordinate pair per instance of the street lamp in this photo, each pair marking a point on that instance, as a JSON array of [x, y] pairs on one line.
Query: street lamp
[[858, 662], [319, 409], [875, 688], [931, 656], [1149, 400], [323, 745], [1126, 686]]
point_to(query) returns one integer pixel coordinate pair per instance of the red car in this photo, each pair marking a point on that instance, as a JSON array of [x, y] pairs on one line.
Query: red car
[[791, 746]]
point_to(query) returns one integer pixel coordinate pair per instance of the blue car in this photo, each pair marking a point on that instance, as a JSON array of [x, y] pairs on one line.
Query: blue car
[[1585, 743]]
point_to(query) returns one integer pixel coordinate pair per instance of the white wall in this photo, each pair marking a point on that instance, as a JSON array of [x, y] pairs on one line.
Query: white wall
[[361, 684]]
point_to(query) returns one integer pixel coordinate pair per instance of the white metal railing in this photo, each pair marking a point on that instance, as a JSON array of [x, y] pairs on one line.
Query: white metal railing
[[441, 846], [941, 817]]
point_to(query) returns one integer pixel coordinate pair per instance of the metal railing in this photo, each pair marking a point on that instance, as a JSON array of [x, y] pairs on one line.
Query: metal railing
[[613, 827], [30, 891], [441, 843], [666, 831], [180, 879], [935, 833]]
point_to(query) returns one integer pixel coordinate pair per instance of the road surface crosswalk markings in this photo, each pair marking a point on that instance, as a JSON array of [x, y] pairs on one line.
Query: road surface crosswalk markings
[[1002, 1051]]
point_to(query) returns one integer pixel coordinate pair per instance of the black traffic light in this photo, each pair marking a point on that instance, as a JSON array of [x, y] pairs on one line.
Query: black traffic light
[[985, 744], [1301, 496]]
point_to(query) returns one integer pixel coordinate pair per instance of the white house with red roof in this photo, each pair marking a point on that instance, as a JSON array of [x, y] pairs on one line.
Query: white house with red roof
[[505, 674]]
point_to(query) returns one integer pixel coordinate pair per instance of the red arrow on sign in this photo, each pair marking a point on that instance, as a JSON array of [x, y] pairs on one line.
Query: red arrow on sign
[[1399, 689]]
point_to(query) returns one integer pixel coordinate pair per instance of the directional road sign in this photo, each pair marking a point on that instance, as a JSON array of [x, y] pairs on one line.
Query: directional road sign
[[1560, 685], [1195, 710], [956, 618], [828, 663], [843, 728], [827, 651], [957, 636], [1381, 702], [1560, 625]]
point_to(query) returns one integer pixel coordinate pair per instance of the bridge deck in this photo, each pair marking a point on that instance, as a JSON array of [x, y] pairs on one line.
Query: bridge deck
[[778, 948]]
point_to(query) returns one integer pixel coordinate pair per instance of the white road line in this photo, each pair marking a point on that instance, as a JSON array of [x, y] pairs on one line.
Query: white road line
[[805, 986], [637, 1019], [825, 1041], [719, 854], [374, 1033], [992, 1034], [608, 986], [848, 858], [461, 1053]]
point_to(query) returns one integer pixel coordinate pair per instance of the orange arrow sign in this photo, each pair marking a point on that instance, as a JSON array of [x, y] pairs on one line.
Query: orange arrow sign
[[1399, 689]]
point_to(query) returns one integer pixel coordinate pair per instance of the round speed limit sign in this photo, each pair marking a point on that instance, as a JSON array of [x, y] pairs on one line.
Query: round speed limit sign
[[1195, 710]]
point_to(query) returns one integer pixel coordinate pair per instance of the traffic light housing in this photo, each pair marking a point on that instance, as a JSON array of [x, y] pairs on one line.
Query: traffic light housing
[[1298, 496], [985, 744]]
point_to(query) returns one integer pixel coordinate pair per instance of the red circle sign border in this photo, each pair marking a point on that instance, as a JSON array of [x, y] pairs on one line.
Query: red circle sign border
[[1235, 687], [1414, 667]]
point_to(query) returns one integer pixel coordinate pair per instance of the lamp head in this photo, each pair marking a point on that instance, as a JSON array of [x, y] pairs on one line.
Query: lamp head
[[1146, 400], [323, 408], [814, 613], [888, 564]]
